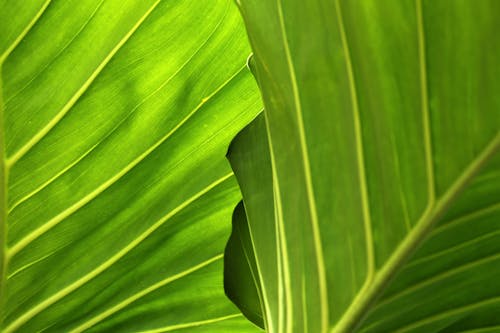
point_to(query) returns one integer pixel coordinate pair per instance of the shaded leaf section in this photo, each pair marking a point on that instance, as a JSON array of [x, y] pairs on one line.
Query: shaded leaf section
[[241, 278]]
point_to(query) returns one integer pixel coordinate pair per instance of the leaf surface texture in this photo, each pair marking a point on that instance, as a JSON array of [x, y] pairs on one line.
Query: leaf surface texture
[[116, 195], [382, 122]]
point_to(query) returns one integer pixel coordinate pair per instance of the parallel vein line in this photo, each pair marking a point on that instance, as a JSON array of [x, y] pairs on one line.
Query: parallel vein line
[[266, 309], [421, 230], [28, 265], [453, 249], [254, 275], [4, 176], [193, 324], [434, 317], [23, 34], [92, 195], [122, 121], [359, 147], [466, 218], [444, 315], [105, 314], [47, 65], [425, 105], [320, 262], [398, 178], [439, 277], [486, 329], [21, 320], [304, 304], [5, 165], [72, 101], [52, 179], [285, 313]]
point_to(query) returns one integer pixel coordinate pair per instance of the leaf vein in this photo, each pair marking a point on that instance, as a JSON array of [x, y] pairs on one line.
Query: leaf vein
[[126, 302], [320, 262], [21, 320], [26, 30], [47, 65], [413, 240], [121, 122], [454, 312], [193, 324], [92, 195], [365, 203], [11, 160], [425, 105]]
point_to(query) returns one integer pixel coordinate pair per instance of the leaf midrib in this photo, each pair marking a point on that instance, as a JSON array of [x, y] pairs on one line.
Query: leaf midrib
[[406, 248], [355, 311], [433, 211]]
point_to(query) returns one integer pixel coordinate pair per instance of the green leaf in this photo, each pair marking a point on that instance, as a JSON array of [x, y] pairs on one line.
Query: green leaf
[[116, 195], [241, 279], [250, 160], [383, 125]]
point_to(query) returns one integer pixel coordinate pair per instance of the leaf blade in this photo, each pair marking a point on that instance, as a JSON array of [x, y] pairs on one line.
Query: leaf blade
[[407, 68], [119, 193]]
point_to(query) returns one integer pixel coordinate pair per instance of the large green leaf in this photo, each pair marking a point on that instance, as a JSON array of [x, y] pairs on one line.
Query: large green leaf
[[116, 195], [383, 123]]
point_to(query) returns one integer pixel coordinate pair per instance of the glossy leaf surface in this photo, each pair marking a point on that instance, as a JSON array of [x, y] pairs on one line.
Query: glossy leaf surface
[[383, 122], [116, 194]]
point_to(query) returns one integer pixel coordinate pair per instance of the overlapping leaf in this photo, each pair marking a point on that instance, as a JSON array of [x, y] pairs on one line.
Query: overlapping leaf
[[383, 125]]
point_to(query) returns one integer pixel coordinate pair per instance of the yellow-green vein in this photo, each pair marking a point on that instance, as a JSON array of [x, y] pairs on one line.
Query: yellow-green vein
[[439, 277], [11, 160], [359, 147], [421, 230], [21, 320], [3, 205], [193, 324], [82, 28], [453, 249], [431, 192], [92, 195], [464, 218], [284, 284], [122, 120], [129, 300], [4, 167], [444, 315], [25, 31], [320, 262]]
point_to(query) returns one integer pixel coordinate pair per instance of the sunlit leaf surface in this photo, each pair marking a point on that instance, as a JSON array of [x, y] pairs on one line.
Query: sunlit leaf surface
[[116, 196]]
